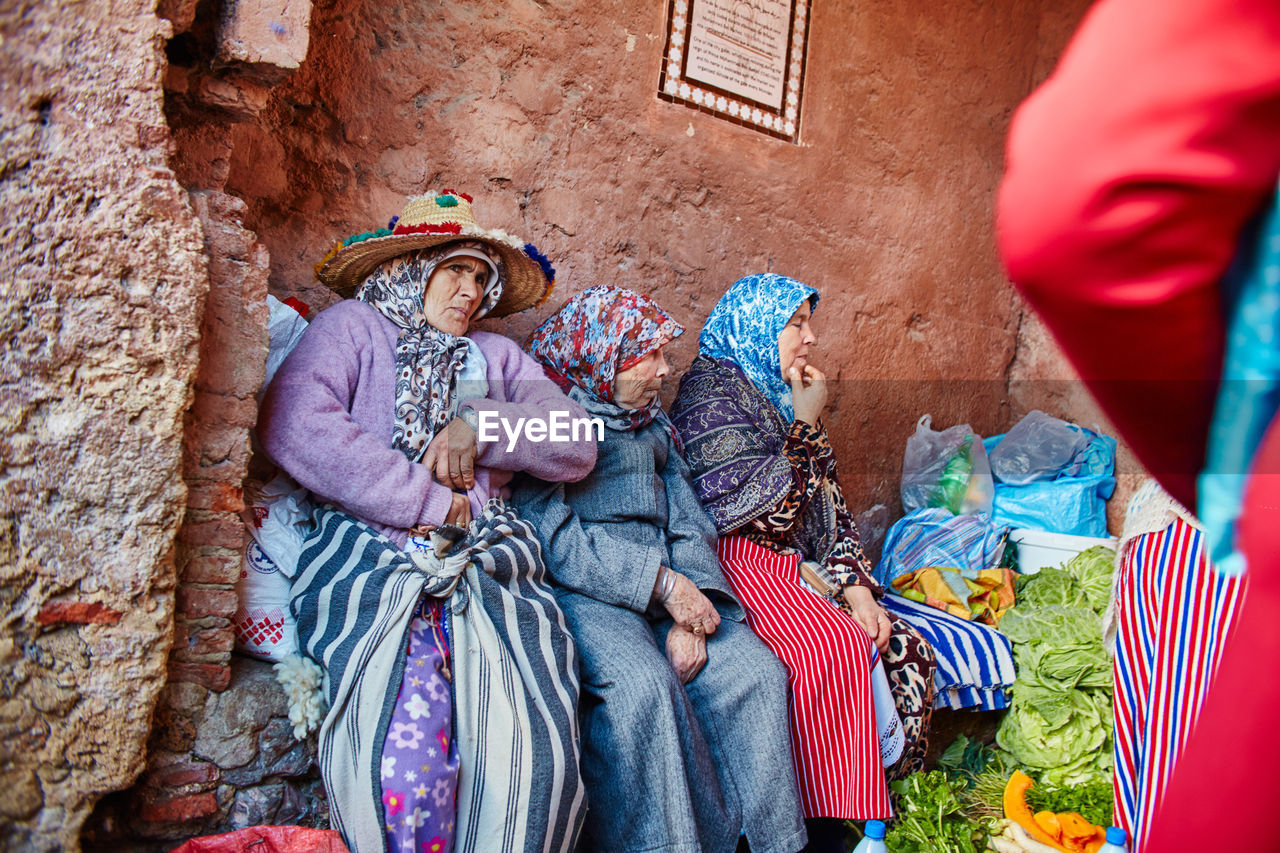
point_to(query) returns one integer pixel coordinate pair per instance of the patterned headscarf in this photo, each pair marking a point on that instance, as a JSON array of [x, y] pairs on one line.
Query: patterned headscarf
[[598, 333], [744, 328], [428, 361]]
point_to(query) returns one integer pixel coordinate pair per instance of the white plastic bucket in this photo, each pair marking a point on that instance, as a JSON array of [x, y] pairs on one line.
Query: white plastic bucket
[[1038, 548]]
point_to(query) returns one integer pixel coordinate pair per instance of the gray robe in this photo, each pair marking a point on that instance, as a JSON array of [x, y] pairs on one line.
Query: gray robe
[[668, 767]]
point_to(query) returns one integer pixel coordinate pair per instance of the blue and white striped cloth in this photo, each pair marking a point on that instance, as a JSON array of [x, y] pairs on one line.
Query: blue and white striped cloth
[[975, 662], [515, 679]]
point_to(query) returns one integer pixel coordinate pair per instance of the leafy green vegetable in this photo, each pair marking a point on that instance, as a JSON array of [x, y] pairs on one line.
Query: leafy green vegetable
[[930, 818], [985, 797], [1052, 586], [954, 754], [965, 759], [1071, 664], [1068, 626], [1092, 570], [1063, 735], [1093, 800], [1059, 727]]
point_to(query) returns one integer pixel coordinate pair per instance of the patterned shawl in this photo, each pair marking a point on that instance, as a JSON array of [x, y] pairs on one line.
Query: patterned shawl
[[735, 444], [733, 439], [744, 328], [597, 334], [428, 361]]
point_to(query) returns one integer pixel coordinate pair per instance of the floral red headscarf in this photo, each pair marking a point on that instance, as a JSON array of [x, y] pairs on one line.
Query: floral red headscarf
[[597, 334]]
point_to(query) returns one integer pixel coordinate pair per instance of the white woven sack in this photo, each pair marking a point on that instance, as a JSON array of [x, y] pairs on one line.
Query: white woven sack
[[265, 629]]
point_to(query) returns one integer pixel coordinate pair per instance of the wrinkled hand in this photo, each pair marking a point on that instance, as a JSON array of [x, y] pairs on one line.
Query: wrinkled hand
[[808, 393], [869, 615], [451, 456], [690, 609], [687, 652], [459, 510]]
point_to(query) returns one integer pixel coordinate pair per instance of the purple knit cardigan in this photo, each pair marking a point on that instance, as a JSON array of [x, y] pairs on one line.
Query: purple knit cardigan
[[327, 418]]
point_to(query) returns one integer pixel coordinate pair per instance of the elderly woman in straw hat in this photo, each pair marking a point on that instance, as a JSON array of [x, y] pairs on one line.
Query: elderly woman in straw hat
[[450, 678], [685, 742]]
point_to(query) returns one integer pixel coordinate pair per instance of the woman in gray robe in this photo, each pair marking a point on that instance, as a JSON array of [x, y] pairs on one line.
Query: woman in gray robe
[[685, 744]]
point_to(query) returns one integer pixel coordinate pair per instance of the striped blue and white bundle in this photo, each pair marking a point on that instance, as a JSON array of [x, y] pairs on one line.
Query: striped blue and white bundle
[[514, 677]]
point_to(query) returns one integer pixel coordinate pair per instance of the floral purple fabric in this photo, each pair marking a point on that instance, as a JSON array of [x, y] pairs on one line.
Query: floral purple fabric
[[596, 334], [419, 759]]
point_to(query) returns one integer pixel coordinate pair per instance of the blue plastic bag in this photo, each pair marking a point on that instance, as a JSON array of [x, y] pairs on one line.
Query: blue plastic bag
[[1074, 502], [933, 536]]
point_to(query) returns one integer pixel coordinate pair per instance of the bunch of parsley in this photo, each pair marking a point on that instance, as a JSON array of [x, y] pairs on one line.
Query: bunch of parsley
[[930, 818], [1092, 800]]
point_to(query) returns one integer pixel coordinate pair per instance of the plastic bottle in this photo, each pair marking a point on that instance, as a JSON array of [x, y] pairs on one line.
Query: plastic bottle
[[955, 477], [872, 839], [1116, 841]]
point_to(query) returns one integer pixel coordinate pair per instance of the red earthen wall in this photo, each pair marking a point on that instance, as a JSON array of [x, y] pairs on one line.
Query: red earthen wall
[[548, 115]]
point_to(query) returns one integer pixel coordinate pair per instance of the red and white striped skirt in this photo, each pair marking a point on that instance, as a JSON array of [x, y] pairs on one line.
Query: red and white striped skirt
[[828, 658], [1173, 613]]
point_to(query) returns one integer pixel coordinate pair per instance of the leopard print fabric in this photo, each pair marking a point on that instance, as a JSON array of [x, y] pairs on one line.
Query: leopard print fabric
[[812, 518], [909, 663]]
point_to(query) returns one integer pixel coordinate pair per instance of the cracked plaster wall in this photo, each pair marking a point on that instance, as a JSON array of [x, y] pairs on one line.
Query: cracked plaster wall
[[102, 283]]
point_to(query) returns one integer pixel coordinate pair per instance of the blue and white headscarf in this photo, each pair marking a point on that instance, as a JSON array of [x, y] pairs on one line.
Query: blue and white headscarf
[[744, 328]]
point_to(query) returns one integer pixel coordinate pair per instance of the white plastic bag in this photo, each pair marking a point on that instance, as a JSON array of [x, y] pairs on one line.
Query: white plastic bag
[[285, 326], [946, 469], [278, 515]]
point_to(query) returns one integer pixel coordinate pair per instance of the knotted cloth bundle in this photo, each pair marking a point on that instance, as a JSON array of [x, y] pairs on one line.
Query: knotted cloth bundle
[[515, 676]]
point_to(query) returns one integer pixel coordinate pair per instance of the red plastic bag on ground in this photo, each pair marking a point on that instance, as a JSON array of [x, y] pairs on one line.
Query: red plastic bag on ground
[[268, 839]]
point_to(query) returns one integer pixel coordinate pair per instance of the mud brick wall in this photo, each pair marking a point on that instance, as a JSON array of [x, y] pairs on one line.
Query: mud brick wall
[[233, 351], [184, 769], [222, 754]]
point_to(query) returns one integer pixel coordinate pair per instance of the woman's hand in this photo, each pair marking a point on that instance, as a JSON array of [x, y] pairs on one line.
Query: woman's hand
[[459, 513], [869, 615], [691, 610], [687, 652], [459, 510], [452, 456], [808, 393]]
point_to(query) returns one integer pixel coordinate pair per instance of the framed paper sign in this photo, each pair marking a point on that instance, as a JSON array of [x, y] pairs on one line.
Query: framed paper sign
[[742, 60]]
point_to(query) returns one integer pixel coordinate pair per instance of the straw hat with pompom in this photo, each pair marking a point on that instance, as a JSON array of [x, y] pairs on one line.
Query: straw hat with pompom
[[432, 220]]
